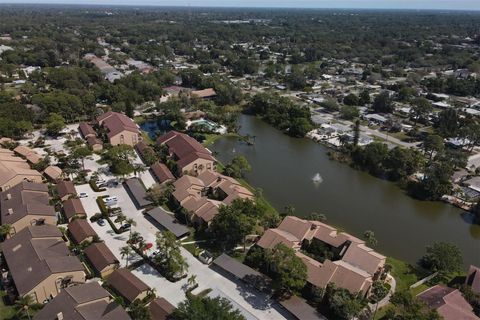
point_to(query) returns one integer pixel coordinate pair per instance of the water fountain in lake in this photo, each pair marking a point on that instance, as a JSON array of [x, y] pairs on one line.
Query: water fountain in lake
[[317, 178]]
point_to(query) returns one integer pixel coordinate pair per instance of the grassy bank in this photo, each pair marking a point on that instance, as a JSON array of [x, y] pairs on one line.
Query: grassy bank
[[212, 138]]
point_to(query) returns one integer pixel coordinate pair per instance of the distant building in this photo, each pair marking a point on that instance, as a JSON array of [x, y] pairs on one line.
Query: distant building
[[204, 94], [40, 264], [121, 129]]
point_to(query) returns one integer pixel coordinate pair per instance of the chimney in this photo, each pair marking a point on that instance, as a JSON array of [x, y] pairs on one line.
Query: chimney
[[9, 196], [60, 316]]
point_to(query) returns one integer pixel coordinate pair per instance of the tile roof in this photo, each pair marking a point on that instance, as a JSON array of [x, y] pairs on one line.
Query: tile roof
[[116, 123], [12, 166], [26, 198], [448, 302], [205, 93], [65, 188], [88, 301], [161, 172], [185, 148], [161, 309], [86, 130], [80, 229], [53, 172], [73, 207], [300, 309], [100, 256], [127, 284], [35, 253]]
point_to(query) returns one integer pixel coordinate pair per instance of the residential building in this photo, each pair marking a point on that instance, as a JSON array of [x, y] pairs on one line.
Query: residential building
[[40, 263], [190, 156], [204, 94], [121, 129], [129, 286], [73, 208], [81, 231], [25, 205], [86, 130], [28, 154], [448, 302], [202, 196], [101, 258], [95, 144], [354, 266], [161, 309], [161, 173], [14, 170], [143, 149], [473, 279], [53, 173], [66, 189], [88, 301]]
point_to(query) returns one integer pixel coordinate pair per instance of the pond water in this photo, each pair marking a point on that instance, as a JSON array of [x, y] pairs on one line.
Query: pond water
[[298, 172], [155, 127]]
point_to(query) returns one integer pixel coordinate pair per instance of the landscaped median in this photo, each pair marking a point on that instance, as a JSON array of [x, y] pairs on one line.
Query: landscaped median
[[105, 215]]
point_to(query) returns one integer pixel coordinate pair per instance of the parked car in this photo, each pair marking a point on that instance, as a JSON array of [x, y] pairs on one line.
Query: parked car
[[126, 226], [110, 199], [101, 222], [82, 195], [205, 257]]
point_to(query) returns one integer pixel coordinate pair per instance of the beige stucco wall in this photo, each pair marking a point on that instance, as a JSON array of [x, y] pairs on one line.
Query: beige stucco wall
[[108, 270], [18, 179], [198, 166], [49, 286], [129, 138], [30, 220]]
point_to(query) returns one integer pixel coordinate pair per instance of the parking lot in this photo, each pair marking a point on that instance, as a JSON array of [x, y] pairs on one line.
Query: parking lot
[[254, 302]]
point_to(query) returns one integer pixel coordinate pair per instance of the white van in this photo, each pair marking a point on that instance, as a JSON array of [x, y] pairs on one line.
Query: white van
[[110, 200]]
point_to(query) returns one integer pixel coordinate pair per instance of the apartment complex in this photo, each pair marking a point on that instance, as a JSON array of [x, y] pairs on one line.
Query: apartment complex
[[353, 265], [120, 128]]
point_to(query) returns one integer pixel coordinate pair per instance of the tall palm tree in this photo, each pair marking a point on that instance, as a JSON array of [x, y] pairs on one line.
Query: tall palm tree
[[23, 305], [125, 252]]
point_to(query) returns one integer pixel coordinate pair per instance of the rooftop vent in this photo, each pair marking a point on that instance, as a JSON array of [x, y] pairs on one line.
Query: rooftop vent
[[9, 196], [10, 211]]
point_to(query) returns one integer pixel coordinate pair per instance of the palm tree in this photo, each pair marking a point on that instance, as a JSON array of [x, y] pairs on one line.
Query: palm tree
[[134, 237], [192, 281], [125, 253], [132, 223], [5, 230], [23, 304]]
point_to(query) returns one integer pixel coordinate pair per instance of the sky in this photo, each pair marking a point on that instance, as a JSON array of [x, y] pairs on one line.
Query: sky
[[379, 4]]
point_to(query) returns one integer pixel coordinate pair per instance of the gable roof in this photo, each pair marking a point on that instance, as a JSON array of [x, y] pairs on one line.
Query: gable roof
[[116, 123], [448, 302], [127, 284], [100, 256], [185, 148], [12, 166], [88, 301], [35, 253], [161, 172], [53, 172], [26, 198], [73, 207], [65, 188], [86, 130], [80, 229], [161, 309], [205, 93]]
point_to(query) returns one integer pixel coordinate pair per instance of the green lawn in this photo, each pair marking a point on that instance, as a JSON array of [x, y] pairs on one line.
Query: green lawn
[[405, 273], [212, 138]]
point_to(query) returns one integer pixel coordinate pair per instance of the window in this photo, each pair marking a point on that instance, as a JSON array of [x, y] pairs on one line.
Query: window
[[122, 139]]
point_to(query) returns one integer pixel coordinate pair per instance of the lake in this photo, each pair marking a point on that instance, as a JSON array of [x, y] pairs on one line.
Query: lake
[[352, 200]]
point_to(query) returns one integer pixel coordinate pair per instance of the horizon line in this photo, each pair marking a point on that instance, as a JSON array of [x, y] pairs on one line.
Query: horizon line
[[233, 7]]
